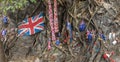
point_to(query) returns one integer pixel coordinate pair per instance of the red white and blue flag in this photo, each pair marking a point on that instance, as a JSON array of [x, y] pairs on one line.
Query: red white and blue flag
[[31, 25]]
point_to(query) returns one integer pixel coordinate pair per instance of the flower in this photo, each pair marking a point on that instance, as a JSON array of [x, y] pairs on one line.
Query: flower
[[82, 26]]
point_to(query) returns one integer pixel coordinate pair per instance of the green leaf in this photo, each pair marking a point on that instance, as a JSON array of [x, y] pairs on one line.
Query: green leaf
[[12, 5], [34, 1]]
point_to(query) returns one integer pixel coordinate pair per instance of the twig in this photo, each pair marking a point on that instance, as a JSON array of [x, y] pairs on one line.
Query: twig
[[70, 50], [92, 17], [60, 48], [35, 8]]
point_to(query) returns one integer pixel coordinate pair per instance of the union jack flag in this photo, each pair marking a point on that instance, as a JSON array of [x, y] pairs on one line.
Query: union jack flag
[[31, 25]]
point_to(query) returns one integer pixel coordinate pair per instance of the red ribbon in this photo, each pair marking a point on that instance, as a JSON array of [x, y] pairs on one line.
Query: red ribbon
[[49, 46], [55, 16], [53, 22]]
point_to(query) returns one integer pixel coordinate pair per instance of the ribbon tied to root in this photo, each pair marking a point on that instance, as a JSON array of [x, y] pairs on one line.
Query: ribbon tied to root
[[53, 21]]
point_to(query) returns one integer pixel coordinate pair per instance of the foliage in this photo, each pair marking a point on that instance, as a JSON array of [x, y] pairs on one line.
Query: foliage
[[12, 5]]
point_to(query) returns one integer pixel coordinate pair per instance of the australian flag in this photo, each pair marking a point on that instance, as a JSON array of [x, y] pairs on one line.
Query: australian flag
[[31, 25]]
